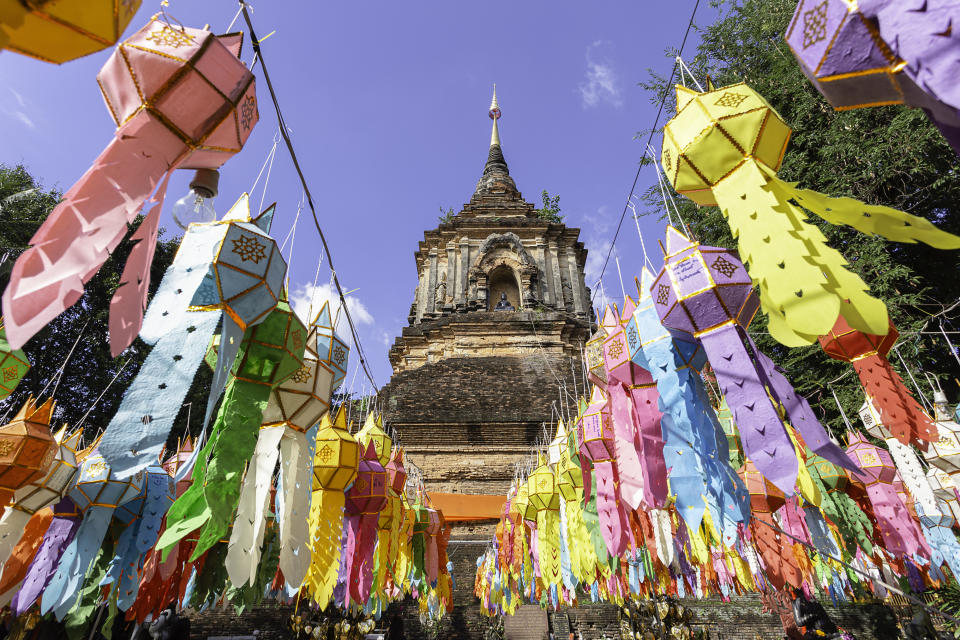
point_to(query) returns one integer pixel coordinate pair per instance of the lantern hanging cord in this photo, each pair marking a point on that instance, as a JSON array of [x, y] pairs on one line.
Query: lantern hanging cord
[[284, 132], [653, 130], [888, 587]]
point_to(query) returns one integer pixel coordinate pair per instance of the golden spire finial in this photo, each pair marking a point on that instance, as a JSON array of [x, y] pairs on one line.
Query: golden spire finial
[[494, 115]]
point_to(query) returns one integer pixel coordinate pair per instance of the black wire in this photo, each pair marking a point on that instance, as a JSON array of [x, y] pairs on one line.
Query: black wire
[[306, 189], [653, 130]]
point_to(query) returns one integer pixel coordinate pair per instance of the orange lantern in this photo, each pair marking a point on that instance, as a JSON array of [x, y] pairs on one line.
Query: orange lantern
[[27, 448]]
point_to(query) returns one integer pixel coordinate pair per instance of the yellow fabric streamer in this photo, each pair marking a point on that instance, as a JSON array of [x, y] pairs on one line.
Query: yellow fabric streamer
[[548, 546], [326, 526]]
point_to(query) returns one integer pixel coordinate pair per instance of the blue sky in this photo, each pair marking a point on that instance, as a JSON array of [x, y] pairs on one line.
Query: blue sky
[[387, 103]]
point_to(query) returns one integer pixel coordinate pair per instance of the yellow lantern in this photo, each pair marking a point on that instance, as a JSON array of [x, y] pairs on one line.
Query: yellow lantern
[[337, 455], [543, 492], [373, 432], [62, 30]]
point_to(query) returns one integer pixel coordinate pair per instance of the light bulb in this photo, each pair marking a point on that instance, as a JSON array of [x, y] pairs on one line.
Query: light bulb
[[193, 207], [197, 205]]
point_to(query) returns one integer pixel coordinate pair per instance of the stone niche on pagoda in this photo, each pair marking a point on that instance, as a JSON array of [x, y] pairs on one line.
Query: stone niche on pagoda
[[495, 333]]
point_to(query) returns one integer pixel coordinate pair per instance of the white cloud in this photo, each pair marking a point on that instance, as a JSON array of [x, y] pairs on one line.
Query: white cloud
[[19, 112], [307, 300], [25, 119], [600, 84]]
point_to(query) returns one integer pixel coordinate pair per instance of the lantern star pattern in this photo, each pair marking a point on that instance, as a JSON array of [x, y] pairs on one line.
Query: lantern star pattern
[[724, 148], [62, 31], [176, 95], [880, 52], [899, 411]]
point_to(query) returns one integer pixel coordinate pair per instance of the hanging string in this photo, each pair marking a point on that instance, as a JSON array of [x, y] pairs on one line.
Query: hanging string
[[235, 16], [953, 350], [653, 129], [685, 68], [643, 245], [284, 131], [842, 412], [267, 161], [916, 387], [666, 194], [102, 393], [623, 289]]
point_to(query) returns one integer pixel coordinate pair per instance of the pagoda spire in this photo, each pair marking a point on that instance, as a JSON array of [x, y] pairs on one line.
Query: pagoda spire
[[494, 115]]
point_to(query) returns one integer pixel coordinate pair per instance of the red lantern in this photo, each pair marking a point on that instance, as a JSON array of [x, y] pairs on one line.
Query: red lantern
[[898, 409]]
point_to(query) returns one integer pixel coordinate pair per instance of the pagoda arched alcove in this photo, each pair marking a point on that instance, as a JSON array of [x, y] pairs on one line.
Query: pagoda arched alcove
[[503, 265]]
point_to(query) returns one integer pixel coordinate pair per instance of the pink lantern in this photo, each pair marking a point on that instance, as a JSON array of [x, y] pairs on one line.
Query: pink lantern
[[900, 532], [181, 99], [365, 499]]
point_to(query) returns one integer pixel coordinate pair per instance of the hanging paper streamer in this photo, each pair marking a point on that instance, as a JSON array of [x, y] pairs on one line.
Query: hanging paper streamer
[[881, 52], [62, 31], [775, 548], [249, 526], [60, 533], [143, 528], [596, 441], [855, 527], [545, 498], [723, 148], [181, 99], [695, 446], [900, 414], [268, 355], [27, 449]]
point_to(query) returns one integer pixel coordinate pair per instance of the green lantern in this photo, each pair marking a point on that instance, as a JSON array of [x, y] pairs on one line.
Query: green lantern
[[13, 365], [270, 352]]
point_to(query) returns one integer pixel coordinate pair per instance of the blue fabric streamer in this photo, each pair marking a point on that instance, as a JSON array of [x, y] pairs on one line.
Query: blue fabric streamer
[[695, 447]]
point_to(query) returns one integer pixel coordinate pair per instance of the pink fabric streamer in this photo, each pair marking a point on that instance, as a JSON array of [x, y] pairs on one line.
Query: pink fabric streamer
[[612, 519], [79, 234], [632, 490], [130, 300], [650, 447]]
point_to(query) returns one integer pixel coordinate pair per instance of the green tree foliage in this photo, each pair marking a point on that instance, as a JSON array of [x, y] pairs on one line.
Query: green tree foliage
[[882, 155], [446, 217], [89, 371], [550, 210]]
